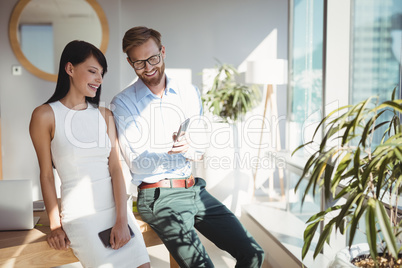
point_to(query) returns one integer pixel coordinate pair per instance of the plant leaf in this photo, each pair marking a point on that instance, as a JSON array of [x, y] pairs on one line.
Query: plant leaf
[[324, 236], [301, 146], [309, 233], [355, 222], [371, 231], [386, 229]]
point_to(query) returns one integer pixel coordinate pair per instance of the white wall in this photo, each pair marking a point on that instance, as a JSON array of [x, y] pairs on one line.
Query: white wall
[[195, 33]]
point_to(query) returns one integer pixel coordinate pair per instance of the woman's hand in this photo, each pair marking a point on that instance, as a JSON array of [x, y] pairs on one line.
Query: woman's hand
[[58, 239], [119, 236]]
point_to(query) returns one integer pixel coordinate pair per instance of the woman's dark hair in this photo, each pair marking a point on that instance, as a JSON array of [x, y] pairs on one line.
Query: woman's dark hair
[[77, 52]]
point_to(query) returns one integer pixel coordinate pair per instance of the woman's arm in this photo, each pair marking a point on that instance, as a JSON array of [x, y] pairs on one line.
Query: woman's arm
[[41, 129], [120, 234]]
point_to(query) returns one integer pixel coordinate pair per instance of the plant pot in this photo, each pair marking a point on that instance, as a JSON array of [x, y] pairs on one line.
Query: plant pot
[[344, 257]]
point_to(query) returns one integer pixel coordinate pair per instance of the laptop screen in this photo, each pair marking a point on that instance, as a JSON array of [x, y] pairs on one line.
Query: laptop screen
[[16, 206]]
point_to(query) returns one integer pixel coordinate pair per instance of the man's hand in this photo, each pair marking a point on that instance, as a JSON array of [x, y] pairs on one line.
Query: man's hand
[[181, 144], [58, 239]]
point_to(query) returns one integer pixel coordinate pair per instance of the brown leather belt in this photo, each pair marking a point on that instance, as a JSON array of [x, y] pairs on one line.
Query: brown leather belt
[[169, 183]]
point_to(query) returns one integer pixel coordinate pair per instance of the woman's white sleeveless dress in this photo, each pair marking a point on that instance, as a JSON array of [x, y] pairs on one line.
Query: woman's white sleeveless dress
[[80, 150]]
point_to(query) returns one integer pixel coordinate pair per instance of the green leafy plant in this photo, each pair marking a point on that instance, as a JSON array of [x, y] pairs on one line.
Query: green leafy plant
[[229, 99], [369, 175]]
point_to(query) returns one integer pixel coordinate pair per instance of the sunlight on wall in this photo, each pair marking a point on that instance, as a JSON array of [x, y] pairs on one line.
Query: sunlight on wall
[[266, 49], [183, 75], [233, 185]]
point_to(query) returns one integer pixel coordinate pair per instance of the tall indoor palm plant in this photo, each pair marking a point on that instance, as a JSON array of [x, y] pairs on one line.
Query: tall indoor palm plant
[[367, 175]]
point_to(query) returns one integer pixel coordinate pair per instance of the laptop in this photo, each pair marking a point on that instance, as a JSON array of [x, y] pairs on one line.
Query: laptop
[[16, 206]]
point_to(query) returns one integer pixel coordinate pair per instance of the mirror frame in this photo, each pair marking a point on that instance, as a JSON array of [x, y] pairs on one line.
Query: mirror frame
[[15, 45]]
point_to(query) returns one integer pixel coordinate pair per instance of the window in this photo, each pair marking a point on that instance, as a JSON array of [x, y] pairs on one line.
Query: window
[[372, 53], [375, 56], [306, 52], [376, 48]]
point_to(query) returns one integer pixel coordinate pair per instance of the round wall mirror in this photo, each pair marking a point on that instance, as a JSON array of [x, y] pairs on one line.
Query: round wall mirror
[[40, 29]]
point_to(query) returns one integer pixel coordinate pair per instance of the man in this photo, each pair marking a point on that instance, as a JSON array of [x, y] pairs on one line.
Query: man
[[170, 199]]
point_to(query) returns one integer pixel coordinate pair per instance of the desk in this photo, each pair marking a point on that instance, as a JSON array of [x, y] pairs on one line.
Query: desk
[[30, 249]]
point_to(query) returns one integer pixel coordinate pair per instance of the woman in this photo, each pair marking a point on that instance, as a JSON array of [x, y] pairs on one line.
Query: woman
[[71, 133]]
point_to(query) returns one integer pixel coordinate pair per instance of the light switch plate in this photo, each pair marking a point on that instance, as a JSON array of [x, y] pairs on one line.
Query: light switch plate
[[17, 70]]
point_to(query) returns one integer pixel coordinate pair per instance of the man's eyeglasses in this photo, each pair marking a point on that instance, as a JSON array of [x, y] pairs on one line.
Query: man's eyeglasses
[[140, 64]]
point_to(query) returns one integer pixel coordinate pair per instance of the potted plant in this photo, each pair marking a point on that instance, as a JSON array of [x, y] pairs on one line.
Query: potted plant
[[229, 99], [369, 175]]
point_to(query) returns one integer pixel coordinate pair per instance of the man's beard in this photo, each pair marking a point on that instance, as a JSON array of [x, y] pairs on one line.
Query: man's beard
[[154, 81]]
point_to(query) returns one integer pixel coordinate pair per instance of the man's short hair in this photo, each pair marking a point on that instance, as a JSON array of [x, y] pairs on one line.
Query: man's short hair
[[137, 36]]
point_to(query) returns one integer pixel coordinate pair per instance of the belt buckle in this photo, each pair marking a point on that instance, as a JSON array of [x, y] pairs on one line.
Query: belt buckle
[[187, 181]]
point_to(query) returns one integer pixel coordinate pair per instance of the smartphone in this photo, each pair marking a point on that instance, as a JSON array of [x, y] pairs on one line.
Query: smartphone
[[183, 127], [105, 236]]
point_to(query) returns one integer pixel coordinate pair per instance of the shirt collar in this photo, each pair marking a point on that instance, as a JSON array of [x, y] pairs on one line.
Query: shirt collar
[[171, 86], [143, 91]]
